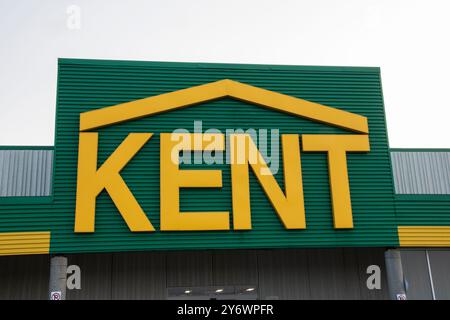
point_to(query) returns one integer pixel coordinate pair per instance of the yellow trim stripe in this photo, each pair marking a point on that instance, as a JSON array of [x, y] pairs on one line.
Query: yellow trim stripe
[[424, 236], [224, 88], [18, 243]]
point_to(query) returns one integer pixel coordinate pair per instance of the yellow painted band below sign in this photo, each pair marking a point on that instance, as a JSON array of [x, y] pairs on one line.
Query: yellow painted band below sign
[[21, 243], [424, 236]]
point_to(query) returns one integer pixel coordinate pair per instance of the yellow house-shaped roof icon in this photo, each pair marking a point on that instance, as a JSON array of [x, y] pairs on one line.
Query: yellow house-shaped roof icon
[[220, 89]]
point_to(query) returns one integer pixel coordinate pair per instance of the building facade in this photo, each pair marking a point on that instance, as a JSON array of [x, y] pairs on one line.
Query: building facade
[[217, 181]]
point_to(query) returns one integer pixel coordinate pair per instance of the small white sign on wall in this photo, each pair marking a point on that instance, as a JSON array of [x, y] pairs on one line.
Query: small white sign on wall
[[401, 296], [55, 295]]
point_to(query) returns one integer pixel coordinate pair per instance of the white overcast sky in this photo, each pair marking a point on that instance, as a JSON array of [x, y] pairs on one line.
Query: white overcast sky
[[409, 40]]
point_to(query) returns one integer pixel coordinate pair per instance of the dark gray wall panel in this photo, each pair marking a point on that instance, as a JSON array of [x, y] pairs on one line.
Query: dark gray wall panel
[[95, 276], [329, 275], [278, 274], [139, 276], [235, 268], [24, 277], [440, 268], [415, 271], [283, 274], [367, 257], [189, 268], [354, 278]]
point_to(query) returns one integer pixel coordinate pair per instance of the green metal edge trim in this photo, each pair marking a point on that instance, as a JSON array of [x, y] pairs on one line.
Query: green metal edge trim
[[387, 133], [267, 247], [27, 200], [27, 147], [55, 128], [422, 197], [419, 150], [215, 65], [391, 173]]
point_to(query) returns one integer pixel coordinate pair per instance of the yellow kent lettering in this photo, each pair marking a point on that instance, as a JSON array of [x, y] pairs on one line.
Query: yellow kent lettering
[[290, 207], [337, 146], [172, 179], [288, 204], [92, 181]]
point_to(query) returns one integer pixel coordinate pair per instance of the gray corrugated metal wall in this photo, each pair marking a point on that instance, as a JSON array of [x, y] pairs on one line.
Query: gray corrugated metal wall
[[440, 266], [421, 172], [277, 273], [26, 172], [416, 272], [24, 277]]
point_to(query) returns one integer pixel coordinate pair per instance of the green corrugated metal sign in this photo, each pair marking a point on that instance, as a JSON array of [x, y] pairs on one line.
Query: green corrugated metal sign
[[267, 102]]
